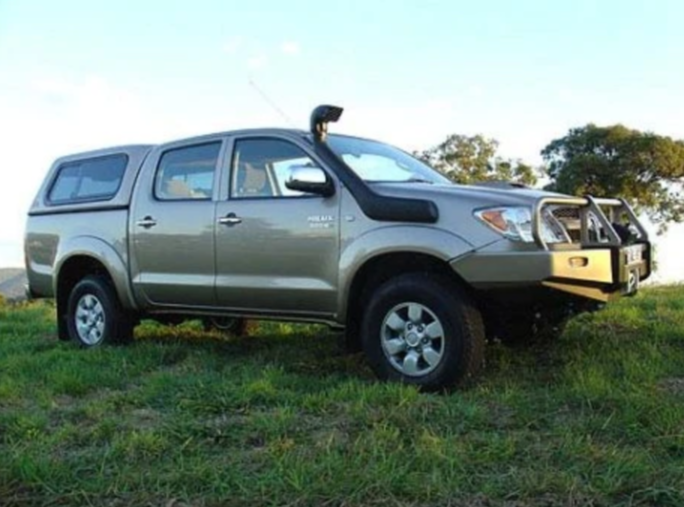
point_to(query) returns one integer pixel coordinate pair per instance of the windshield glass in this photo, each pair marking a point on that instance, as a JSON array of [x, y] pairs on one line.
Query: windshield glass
[[378, 162]]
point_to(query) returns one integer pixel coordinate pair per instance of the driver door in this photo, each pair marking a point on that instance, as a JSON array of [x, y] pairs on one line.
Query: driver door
[[276, 249]]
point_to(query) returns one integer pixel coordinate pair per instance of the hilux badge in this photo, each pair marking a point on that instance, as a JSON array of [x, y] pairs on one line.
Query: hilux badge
[[320, 221]]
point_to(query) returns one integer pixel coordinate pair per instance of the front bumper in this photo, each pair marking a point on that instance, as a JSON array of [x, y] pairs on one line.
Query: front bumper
[[596, 262], [597, 273]]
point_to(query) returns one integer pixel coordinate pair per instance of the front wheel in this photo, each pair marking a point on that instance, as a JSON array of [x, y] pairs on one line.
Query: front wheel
[[94, 315], [421, 329]]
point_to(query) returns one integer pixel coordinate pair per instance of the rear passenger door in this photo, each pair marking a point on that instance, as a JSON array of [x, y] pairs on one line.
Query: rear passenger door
[[172, 225]]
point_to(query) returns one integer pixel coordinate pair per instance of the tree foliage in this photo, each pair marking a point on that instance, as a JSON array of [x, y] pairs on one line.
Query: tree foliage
[[473, 159], [641, 167]]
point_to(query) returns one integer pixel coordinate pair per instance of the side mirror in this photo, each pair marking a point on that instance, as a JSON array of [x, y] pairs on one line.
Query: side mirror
[[312, 180]]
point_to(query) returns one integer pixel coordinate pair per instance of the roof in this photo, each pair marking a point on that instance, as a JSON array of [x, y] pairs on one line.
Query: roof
[[138, 148]]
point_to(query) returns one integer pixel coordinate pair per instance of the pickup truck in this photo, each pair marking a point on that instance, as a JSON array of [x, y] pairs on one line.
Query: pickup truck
[[302, 225]]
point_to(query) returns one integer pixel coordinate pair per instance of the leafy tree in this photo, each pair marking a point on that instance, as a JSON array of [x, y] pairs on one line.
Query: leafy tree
[[472, 159], [645, 169]]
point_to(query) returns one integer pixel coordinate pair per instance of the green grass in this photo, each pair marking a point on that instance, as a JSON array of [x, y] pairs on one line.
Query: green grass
[[281, 417]]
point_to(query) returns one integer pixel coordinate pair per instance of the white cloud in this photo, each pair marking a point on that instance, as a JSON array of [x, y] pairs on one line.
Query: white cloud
[[59, 116], [257, 62], [290, 48], [53, 86], [233, 45]]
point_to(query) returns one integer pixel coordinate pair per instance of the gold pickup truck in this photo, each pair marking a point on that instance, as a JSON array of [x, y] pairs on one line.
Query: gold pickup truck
[[303, 225]]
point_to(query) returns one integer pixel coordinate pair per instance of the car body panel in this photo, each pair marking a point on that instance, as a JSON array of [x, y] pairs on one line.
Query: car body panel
[[113, 260], [54, 240], [363, 240], [283, 256]]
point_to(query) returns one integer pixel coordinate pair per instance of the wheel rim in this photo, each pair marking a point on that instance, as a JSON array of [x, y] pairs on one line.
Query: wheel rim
[[224, 323], [90, 319], [412, 339]]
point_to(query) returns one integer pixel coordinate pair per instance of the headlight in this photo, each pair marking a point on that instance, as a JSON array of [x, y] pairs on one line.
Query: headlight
[[515, 223]]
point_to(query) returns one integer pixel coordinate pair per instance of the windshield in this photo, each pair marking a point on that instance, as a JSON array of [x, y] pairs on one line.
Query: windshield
[[378, 162]]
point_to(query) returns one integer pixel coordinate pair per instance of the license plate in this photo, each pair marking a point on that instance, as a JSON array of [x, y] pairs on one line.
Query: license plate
[[633, 254], [632, 281]]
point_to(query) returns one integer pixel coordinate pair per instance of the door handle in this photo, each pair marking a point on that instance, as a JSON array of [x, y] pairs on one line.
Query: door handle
[[146, 222], [230, 219]]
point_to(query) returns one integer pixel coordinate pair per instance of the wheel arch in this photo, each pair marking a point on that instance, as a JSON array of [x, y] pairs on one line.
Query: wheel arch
[[85, 256], [379, 269], [414, 245]]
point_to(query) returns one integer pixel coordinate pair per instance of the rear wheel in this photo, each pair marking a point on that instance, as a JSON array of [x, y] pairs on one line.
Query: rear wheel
[[226, 325], [95, 316], [421, 329]]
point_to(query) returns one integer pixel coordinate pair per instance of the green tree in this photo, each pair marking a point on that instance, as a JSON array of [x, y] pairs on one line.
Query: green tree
[[473, 159], [644, 168]]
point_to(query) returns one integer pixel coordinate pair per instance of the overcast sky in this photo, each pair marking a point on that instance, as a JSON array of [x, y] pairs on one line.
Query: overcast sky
[[77, 75]]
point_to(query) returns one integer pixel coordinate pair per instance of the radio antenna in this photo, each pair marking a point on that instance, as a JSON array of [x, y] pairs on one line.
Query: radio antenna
[[273, 105]]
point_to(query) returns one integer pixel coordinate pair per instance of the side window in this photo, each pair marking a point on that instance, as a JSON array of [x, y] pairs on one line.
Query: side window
[[95, 179], [261, 167], [187, 173]]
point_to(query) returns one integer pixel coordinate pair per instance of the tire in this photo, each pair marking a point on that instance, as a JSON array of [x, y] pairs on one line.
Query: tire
[[421, 329], [94, 314], [226, 325]]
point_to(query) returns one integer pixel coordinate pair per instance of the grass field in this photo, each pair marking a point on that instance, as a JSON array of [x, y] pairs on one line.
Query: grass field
[[281, 417]]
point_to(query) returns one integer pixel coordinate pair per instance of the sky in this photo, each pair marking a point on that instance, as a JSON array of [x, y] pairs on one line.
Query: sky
[[79, 75]]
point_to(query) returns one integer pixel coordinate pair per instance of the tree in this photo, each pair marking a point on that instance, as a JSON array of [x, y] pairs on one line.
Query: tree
[[645, 169], [472, 159]]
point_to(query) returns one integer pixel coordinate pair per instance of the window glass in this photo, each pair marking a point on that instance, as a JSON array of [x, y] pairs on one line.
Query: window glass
[[379, 162], [262, 166], [95, 179], [187, 173]]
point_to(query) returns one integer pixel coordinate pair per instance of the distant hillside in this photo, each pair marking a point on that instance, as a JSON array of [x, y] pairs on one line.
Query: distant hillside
[[12, 282]]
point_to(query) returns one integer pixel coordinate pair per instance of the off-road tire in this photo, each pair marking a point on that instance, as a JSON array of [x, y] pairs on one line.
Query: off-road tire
[[463, 336], [95, 316], [236, 326]]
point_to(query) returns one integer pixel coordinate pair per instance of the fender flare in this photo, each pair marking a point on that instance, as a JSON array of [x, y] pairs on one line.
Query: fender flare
[[419, 239], [105, 254]]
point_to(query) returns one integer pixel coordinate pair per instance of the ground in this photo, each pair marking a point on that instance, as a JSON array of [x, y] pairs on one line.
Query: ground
[[281, 417], [12, 281]]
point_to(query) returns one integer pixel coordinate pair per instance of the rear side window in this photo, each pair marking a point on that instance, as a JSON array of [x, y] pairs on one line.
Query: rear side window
[[87, 180], [187, 173]]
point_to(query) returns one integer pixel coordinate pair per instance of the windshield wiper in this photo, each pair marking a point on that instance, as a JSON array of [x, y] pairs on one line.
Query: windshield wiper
[[418, 180], [410, 180]]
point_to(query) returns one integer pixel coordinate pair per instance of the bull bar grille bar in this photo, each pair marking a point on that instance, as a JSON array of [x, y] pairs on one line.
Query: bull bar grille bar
[[587, 206]]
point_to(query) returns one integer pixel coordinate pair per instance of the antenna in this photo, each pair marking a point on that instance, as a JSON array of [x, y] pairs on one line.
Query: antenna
[[275, 107]]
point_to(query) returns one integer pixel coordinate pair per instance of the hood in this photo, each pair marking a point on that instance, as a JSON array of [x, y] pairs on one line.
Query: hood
[[476, 195]]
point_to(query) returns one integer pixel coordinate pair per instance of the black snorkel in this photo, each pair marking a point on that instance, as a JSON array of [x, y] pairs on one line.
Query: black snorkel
[[320, 117], [374, 205]]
